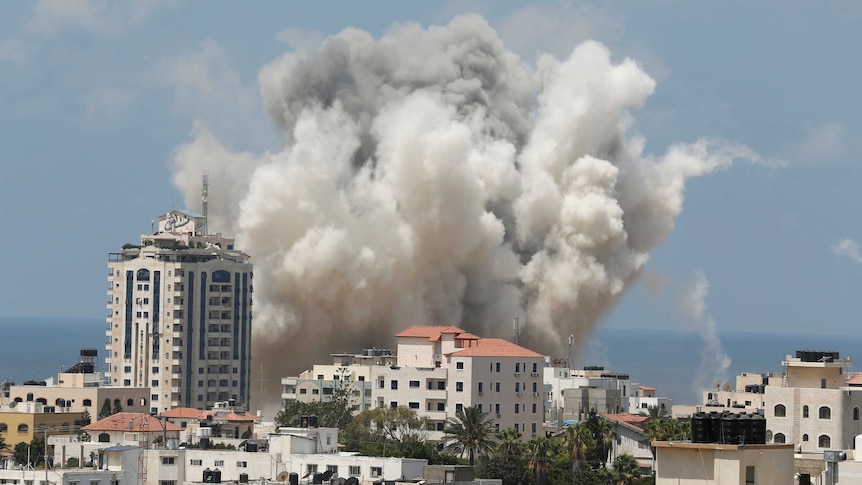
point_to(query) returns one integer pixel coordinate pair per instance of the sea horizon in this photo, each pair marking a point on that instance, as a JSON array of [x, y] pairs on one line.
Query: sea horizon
[[680, 364]]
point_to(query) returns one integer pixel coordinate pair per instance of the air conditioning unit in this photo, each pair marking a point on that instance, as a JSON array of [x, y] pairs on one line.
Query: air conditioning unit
[[499, 415], [517, 374], [520, 394], [534, 374], [535, 394]]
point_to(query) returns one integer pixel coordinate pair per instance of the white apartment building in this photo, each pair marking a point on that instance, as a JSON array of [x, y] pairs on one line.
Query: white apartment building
[[814, 406], [439, 370], [180, 316]]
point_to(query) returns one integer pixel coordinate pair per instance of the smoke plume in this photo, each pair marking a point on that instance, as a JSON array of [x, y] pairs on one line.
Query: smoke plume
[[432, 177], [714, 361]]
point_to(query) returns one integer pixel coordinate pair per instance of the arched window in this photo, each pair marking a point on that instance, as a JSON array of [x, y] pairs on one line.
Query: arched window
[[3, 428], [780, 411], [143, 402], [805, 437], [88, 402], [130, 403], [104, 438], [23, 428], [221, 276], [143, 275], [42, 400], [60, 402], [18, 399], [778, 438], [824, 441], [855, 414], [825, 412], [116, 402], [29, 396], [805, 411]]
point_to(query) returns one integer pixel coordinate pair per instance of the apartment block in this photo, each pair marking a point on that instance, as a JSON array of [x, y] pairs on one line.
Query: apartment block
[[180, 315], [436, 371]]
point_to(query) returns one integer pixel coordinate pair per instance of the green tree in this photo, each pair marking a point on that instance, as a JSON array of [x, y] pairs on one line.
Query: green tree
[[603, 435], [470, 432], [507, 462], [578, 440], [106, 409], [34, 451], [117, 407], [542, 451], [626, 469], [334, 413]]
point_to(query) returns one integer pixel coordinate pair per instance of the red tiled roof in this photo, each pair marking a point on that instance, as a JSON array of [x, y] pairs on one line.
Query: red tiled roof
[[628, 420], [646, 388], [856, 380], [467, 336], [431, 332], [132, 422], [495, 347], [185, 413]]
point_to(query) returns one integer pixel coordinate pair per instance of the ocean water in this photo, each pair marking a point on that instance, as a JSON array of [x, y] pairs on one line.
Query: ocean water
[[678, 364]]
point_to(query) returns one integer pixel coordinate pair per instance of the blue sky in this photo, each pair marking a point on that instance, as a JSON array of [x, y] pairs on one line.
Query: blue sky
[[96, 96]]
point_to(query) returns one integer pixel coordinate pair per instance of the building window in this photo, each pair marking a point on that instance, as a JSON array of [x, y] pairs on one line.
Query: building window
[[459, 407], [804, 411], [394, 385], [855, 414], [242, 464], [310, 468], [480, 388], [414, 405], [393, 404], [414, 384], [168, 460], [196, 462], [376, 471], [825, 412], [459, 365], [780, 411], [353, 470], [167, 482], [23, 428], [498, 367], [333, 469], [517, 408], [824, 441], [778, 438], [749, 475], [459, 387], [534, 408], [535, 367], [219, 463], [497, 409], [822, 383], [805, 437], [497, 387], [87, 402]]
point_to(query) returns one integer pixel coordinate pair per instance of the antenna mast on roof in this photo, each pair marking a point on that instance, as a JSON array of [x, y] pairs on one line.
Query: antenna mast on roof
[[517, 331], [205, 185]]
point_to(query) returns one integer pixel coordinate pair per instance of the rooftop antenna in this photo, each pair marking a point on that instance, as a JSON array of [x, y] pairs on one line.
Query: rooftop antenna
[[517, 332], [205, 185], [569, 354]]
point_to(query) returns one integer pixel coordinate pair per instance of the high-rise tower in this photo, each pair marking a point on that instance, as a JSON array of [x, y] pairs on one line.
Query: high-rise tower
[[180, 315]]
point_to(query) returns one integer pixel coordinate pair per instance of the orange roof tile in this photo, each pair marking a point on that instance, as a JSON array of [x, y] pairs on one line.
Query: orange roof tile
[[132, 422], [431, 332], [495, 347], [627, 417], [467, 336], [646, 388], [855, 380], [185, 413]]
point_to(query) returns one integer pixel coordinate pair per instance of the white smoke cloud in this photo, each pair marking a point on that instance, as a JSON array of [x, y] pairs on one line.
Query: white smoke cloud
[[431, 176], [714, 361], [849, 248]]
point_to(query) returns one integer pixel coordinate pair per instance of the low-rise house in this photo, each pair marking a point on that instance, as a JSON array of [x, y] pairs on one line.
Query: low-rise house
[[631, 439], [723, 464], [138, 429], [21, 422]]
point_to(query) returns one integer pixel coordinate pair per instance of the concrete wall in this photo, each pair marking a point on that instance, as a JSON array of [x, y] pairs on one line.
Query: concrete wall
[[681, 463]]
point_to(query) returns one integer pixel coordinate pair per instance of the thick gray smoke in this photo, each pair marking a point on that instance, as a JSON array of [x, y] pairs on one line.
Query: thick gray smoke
[[432, 177]]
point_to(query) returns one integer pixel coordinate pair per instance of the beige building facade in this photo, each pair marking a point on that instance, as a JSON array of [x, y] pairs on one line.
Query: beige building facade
[[180, 317], [684, 463]]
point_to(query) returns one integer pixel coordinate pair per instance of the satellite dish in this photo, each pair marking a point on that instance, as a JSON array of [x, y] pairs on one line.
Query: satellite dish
[[351, 481], [283, 476], [726, 386], [326, 475]]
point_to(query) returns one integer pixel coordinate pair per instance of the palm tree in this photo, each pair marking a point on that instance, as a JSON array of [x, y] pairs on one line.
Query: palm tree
[[509, 443], [469, 432], [578, 440], [542, 451], [606, 435], [655, 412], [626, 469]]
